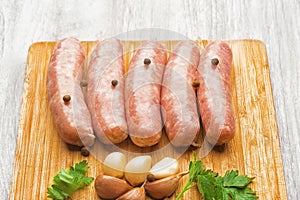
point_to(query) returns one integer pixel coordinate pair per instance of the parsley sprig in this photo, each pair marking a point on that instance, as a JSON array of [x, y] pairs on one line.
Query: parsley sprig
[[231, 186], [67, 182]]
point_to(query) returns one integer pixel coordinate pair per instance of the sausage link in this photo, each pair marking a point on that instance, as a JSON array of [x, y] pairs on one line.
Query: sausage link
[[65, 96], [105, 91], [178, 96], [142, 93], [214, 93]]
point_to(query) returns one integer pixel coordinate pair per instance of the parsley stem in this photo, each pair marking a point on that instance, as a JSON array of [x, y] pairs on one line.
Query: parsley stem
[[186, 188]]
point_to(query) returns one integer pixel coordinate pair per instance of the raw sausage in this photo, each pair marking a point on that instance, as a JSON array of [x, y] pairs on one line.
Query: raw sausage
[[105, 91], [178, 97], [65, 96], [214, 93], [142, 93]]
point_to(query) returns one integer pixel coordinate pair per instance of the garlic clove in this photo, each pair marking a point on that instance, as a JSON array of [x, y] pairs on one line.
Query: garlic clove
[[137, 169], [109, 187], [164, 168], [114, 164], [134, 194], [165, 187]]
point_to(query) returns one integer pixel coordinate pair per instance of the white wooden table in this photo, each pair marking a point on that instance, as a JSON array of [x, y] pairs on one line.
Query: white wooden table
[[277, 23]]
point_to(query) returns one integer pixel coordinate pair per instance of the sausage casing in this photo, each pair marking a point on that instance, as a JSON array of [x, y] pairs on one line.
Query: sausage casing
[[105, 91], [214, 93], [143, 93], [65, 96], [178, 96]]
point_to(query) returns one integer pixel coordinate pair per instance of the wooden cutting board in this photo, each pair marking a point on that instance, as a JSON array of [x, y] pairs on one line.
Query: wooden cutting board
[[255, 150]]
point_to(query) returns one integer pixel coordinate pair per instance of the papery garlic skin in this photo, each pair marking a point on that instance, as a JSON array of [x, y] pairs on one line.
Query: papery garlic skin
[[134, 194], [109, 187], [164, 187]]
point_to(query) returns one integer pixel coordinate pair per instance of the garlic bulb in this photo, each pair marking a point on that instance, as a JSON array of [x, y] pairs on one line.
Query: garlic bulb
[[164, 168], [114, 164], [137, 169]]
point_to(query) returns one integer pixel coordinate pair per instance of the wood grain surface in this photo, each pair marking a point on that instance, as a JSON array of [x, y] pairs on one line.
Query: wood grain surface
[[255, 150], [23, 22]]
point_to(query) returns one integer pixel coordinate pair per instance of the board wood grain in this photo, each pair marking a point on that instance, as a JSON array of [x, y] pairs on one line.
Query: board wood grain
[[255, 150]]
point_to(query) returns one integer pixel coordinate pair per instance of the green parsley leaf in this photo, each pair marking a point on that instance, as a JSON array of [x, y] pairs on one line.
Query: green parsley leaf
[[67, 182], [231, 186], [237, 193], [232, 179], [209, 187]]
